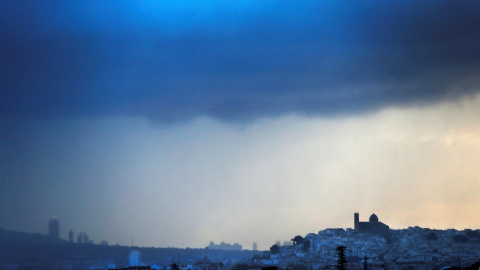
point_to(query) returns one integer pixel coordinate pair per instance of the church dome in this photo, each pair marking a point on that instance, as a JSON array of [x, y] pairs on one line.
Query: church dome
[[373, 218]]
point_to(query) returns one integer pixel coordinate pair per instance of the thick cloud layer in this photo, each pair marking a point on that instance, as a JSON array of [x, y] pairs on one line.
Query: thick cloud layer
[[234, 62]]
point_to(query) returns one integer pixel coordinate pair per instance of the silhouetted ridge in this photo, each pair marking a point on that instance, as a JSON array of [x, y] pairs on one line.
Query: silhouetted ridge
[[11, 237]]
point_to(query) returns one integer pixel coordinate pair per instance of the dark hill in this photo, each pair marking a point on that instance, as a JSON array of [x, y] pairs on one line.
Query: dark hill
[[35, 249], [13, 238]]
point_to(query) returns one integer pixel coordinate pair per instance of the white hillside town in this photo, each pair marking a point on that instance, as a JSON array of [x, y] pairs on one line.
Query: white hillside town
[[375, 244]]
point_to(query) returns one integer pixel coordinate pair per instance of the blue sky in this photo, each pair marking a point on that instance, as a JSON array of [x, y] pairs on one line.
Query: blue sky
[[236, 116]]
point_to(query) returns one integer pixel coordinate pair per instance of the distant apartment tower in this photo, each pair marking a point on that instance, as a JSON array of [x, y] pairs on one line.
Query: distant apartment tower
[[83, 238], [70, 236], [54, 228], [255, 246], [80, 238]]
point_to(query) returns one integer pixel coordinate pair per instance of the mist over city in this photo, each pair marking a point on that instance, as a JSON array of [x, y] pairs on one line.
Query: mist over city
[[214, 125]]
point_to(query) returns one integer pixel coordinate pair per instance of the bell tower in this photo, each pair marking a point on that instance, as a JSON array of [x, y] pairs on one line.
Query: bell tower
[[356, 222]]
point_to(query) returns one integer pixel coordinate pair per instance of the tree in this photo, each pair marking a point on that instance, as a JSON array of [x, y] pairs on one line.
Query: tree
[[432, 236], [365, 264], [297, 240], [472, 234], [274, 249], [460, 238], [306, 245], [256, 257], [342, 263]]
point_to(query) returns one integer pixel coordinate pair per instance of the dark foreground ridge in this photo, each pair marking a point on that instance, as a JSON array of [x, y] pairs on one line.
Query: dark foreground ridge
[[35, 251]]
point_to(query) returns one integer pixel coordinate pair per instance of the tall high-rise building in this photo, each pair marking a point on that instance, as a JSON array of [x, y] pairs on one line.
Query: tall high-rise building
[[84, 239], [80, 238], [254, 246], [70, 236], [54, 228]]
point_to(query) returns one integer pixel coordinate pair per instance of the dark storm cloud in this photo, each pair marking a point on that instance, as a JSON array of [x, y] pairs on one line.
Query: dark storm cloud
[[172, 63]]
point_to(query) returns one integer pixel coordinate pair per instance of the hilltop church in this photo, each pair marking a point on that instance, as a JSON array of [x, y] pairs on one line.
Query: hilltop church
[[373, 226]]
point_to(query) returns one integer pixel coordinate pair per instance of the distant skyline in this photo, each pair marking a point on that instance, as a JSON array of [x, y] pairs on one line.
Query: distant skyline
[[180, 123]]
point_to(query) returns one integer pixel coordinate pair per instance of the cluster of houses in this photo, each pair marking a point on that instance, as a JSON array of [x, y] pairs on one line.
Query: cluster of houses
[[411, 248]]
